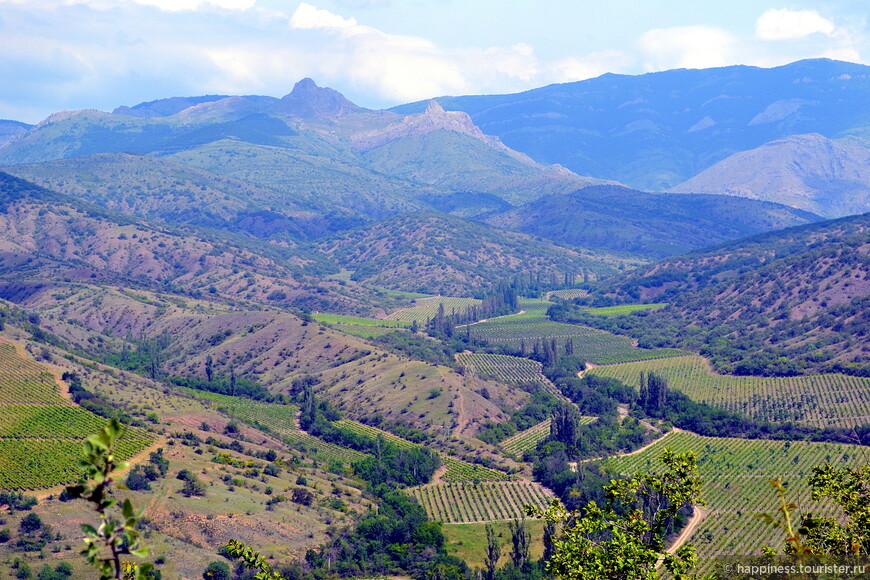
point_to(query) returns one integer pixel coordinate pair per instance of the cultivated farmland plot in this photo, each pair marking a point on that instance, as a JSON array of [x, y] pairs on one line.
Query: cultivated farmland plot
[[26, 381], [427, 308], [821, 400], [593, 345], [569, 294], [467, 502], [527, 440], [512, 370], [736, 476], [41, 433]]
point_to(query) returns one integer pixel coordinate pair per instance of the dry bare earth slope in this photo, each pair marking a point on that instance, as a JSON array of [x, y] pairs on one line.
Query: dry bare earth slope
[[825, 176], [801, 293], [48, 237]]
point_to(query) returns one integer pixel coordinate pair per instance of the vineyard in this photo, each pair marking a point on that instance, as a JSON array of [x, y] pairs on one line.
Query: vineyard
[[41, 433], [281, 421], [593, 345], [736, 475], [527, 440], [427, 308], [512, 370], [373, 433], [26, 381], [821, 400], [569, 294], [468, 502]]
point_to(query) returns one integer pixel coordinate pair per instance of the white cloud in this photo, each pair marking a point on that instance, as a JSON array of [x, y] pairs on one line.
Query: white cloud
[[307, 16], [687, 47], [788, 24]]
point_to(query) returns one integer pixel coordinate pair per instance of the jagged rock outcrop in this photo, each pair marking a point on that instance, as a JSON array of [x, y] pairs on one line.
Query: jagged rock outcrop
[[434, 118]]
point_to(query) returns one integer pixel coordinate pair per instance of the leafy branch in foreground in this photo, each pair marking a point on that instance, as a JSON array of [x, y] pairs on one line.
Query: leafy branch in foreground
[[252, 560], [850, 536], [626, 539], [112, 538]]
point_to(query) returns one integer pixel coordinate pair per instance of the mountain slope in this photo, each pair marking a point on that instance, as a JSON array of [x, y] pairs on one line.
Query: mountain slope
[[440, 254], [824, 176], [48, 237], [10, 130], [778, 303], [652, 225], [656, 130]]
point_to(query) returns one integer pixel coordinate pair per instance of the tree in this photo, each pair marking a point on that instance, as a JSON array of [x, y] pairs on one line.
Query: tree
[[625, 538], [30, 524], [217, 571], [521, 539], [493, 552]]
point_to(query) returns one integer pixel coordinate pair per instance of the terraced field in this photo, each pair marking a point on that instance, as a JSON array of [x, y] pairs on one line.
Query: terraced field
[[593, 345], [736, 475], [41, 432], [483, 502], [820, 400], [427, 308]]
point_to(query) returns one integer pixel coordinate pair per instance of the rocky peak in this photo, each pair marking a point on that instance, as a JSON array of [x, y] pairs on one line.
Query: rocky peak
[[308, 101], [434, 118]]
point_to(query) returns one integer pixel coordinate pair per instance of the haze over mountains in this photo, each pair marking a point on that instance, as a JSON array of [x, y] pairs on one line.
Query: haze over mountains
[[313, 164]]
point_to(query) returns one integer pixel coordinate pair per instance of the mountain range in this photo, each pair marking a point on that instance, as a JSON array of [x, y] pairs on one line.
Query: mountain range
[[656, 130]]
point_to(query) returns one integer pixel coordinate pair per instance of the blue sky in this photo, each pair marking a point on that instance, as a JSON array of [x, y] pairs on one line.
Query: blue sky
[[72, 54]]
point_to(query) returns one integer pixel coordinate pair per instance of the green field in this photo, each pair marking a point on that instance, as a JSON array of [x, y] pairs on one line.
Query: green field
[[41, 433], [736, 476], [597, 346], [623, 309], [468, 541], [821, 400], [467, 502], [427, 308], [359, 321]]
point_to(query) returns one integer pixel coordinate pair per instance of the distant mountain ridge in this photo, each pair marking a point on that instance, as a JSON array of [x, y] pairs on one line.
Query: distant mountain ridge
[[653, 225], [656, 130], [811, 172]]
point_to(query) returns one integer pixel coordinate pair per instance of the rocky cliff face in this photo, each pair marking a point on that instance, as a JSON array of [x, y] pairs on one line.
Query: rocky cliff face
[[434, 118]]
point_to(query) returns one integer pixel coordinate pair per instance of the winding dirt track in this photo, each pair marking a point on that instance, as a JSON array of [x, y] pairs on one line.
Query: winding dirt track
[[694, 522]]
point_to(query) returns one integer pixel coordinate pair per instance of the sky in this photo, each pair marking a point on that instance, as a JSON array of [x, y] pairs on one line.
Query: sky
[[74, 54]]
